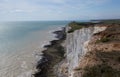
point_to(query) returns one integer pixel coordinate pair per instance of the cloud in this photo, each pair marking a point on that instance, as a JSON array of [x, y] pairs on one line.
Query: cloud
[[96, 2], [33, 5], [56, 1], [50, 9]]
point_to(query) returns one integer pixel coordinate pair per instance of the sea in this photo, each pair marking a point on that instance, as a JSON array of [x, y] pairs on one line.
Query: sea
[[21, 43]]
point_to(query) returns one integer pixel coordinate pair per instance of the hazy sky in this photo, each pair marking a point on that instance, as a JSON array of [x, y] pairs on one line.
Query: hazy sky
[[11, 10]]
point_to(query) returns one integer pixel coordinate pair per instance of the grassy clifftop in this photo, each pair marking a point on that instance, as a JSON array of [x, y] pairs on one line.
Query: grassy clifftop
[[78, 25], [109, 21]]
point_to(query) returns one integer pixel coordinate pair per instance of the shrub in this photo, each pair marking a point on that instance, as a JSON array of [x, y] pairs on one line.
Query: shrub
[[103, 40], [102, 70]]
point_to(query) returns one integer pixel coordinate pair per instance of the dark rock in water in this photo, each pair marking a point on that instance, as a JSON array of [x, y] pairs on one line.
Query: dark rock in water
[[51, 56], [42, 61], [53, 42], [60, 34], [46, 46]]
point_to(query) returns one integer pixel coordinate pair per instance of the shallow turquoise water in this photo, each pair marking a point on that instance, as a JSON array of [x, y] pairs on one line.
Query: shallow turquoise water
[[12, 33], [19, 44]]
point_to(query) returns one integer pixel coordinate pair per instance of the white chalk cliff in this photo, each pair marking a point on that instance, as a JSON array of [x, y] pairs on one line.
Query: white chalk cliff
[[76, 47]]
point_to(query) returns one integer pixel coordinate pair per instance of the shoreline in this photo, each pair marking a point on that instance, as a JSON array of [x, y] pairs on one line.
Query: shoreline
[[53, 54], [23, 63]]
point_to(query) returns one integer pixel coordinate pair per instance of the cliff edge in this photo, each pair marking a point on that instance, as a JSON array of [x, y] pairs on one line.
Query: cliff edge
[[92, 50]]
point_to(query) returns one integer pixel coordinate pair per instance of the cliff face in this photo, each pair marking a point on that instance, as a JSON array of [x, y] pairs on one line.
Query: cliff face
[[92, 51], [76, 46]]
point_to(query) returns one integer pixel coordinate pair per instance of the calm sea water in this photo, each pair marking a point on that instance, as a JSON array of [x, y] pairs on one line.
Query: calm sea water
[[19, 44]]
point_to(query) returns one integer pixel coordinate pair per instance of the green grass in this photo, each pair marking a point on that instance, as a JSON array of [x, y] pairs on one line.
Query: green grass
[[106, 39], [103, 40], [74, 27], [109, 21], [78, 25]]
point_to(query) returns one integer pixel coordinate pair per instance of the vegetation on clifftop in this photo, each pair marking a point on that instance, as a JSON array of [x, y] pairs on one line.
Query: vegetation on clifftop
[[112, 33], [103, 40], [78, 25], [104, 64], [109, 21], [102, 70], [104, 58]]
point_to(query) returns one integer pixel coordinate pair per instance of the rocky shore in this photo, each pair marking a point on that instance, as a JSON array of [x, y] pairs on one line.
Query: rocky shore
[[83, 50], [52, 55]]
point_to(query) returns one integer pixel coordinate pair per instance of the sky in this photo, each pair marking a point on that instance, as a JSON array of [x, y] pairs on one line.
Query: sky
[[27, 10]]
